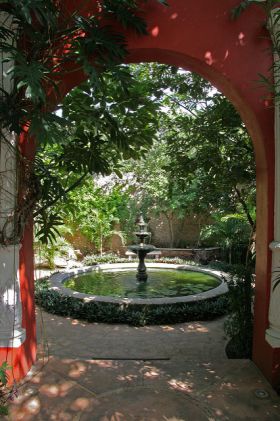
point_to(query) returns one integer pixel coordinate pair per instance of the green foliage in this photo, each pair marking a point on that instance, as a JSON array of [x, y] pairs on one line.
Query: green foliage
[[39, 40], [46, 252], [113, 258], [227, 231], [38, 64], [136, 315], [3, 373], [95, 212], [225, 182], [114, 121], [117, 120], [95, 259], [4, 390], [239, 324], [240, 8], [47, 226], [233, 233]]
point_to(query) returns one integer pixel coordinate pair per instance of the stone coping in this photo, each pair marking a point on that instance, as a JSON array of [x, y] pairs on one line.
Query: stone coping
[[56, 280]]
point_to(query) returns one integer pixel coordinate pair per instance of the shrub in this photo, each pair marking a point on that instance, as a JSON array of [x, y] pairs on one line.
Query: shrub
[[239, 324], [7, 393], [95, 259]]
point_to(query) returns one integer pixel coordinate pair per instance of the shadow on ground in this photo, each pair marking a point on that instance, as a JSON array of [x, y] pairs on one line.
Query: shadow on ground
[[118, 373]]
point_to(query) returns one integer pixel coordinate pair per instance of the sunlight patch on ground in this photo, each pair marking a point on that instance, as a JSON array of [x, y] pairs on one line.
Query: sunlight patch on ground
[[180, 385]]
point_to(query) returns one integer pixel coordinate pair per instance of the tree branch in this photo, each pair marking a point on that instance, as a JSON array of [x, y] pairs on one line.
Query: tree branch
[[245, 207]]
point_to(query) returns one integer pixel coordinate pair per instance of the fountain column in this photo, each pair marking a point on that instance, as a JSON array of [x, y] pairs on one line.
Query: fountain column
[[142, 250]]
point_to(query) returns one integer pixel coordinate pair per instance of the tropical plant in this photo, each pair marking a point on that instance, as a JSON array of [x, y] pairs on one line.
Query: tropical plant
[[227, 231], [6, 393], [40, 43]]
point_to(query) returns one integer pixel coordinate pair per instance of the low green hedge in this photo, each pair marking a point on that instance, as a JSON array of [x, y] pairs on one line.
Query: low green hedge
[[132, 314], [95, 259]]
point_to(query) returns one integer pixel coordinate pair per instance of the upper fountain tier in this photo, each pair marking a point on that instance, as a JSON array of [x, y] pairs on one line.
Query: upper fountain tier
[[142, 234]]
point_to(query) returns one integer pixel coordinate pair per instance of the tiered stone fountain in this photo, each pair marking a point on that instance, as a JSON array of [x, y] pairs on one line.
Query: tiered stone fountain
[[142, 250]]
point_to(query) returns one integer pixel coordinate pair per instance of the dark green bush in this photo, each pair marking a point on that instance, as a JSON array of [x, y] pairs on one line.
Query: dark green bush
[[239, 324], [95, 259]]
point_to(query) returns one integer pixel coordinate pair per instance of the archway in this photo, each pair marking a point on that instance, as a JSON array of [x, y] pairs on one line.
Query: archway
[[200, 37]]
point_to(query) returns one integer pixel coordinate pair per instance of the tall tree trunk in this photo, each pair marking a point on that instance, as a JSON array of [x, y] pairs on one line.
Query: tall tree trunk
[[251, 222], [169, 217], [198, 243], [230, 254], [244, 207], [101, 242]]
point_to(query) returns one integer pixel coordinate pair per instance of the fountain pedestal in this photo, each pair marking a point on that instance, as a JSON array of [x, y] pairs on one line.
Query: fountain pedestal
[[142, 250]]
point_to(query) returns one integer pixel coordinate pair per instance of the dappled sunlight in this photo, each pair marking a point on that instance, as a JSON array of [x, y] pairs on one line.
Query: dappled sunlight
[[197, 328], [228, 386], [168, 328], [209, 58], [241, 39], [174, 16], [78, 369], [31, 407], [151, 372], [182, 386], [56, 390], [126, 378], [219, 413], [118, 388], [155, 31], [81, 404], [104, 363], [75, 322]]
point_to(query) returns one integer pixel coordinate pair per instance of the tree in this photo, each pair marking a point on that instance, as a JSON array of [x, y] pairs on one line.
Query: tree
[[104, 127], [203, 160], [212, 156], [189, 122], [93, 212], [151, 189], [39, 43]]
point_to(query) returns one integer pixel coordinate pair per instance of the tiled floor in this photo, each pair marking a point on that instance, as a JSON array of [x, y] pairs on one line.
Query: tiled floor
[[118, 373]]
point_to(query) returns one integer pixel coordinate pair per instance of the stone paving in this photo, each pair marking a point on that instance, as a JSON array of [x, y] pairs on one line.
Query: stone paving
[[89, 372]]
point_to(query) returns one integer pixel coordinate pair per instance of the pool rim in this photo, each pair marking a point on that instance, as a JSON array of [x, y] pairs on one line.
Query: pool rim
[[57, 284]]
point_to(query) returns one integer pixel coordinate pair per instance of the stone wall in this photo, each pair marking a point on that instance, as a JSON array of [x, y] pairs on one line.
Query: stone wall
[[186, 231], [186, 234]]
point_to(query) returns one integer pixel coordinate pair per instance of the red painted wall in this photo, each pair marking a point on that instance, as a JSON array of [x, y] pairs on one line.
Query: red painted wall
[[199, 35]]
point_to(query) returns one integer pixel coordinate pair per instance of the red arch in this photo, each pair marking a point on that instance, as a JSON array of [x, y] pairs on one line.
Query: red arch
[[200, 36]]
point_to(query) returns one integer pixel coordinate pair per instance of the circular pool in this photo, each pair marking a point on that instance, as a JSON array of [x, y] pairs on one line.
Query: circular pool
[[167, 283], [122, 283]]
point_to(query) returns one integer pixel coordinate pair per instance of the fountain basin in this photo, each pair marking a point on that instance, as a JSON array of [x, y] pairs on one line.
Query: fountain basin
[[57, 283]]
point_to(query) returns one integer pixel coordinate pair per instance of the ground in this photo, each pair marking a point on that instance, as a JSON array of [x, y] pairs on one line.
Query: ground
[[89, 372]]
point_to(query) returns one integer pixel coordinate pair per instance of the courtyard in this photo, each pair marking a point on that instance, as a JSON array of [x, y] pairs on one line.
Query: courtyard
[[155, 120]]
